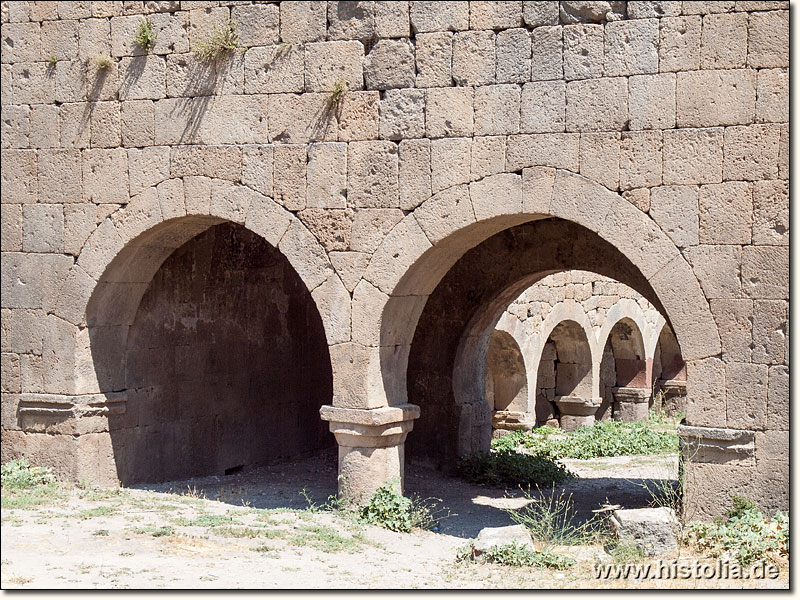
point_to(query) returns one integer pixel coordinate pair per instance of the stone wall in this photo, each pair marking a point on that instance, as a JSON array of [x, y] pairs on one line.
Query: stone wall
[[656, 132]]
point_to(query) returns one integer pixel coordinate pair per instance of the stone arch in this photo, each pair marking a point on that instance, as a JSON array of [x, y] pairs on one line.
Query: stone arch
[[669, 372], [422, 248], [511, 343], [118, 260]]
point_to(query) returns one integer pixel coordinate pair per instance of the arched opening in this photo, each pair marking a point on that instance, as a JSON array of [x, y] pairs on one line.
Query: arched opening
[[221, 354], [506, 383], [669, 374], [572, 366], [627, 366], [447, 358]]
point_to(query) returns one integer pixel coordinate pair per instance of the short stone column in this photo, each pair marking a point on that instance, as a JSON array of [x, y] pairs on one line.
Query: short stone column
[[371, 446], [576, 411], [631, 404], [673, 398], [506, 421]]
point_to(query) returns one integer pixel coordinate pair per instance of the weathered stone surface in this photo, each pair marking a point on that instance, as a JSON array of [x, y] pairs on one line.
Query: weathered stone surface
[[415, 172], [706, 404], [330, 63], [389, 64], [489, 537], [303, 21], [591, 12], [583, 51], [449, 112], [497, 109], [734, 320], [767, 40], [488, 156], [746, 395], [371, 225], [543, 107], [651, 101], [439, 16], [770, 330], [652, 530], [290, 176], [597, 104], [675, 209], [679, 43], [717, 269], [726, 213], [358, 117], [331, 227], [42, 227], [547, 53], [712, 98], [402, 114], [391, 20], [631, 47], [540, 13], [513, 53], [273, 69], [771, 213], [326, 175], [373, 174], [751, 153], [772, 101], [720, 42], [474, 60], [434, 56], [558, 150], [600, 154], [764, 271], [257, 24], [351, 20], [450, 162], [19, 175], [778, 399], [693, 156]]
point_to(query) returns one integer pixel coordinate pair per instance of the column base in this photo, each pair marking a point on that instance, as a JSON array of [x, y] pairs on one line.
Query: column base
[[506, 421], [673, 399], [371, 447], [631, 404], [577, 412]]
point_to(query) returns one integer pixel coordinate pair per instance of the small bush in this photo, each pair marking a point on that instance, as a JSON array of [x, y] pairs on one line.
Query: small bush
[[606, 438], [515, 555], [507, 467], [102, 62], [223, 40], [145, 37], [746, 534], [337, 92], [19, 475], [390, 509], [552, 521]]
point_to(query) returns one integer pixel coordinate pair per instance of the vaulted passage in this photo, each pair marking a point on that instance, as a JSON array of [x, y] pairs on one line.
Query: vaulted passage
[[226, 363]]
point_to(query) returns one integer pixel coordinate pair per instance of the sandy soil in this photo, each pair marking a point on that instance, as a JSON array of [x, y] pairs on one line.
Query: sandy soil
[[150, 537]]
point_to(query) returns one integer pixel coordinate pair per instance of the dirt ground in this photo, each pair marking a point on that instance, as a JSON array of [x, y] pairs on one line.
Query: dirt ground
[[254, 529]]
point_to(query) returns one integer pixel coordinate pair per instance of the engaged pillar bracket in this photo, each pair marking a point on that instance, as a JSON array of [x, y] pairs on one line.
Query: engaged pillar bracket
[[370, 428]]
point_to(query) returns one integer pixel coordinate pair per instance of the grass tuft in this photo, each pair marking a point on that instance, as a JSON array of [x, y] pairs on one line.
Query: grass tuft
[[223, 40], [145, 37]]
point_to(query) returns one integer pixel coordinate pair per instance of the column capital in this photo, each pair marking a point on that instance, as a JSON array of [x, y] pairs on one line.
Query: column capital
[[370, 428]]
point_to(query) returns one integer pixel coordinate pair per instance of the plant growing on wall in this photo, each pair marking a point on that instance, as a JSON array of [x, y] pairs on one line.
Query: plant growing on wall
[[337, 92], [102, 62], [145, 37], [223, 40]]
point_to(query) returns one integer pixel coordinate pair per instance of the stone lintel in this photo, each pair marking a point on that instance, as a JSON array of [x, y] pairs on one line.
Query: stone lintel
[[575, 405], [717, 445]]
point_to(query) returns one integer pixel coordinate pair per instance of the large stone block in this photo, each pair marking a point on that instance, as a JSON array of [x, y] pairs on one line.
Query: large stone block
[[450, 162], [631, 47], [434, 57], [42, 226], [358, 116], [15, 126], [59, 39], [693, 156], [765, 271], [105, 124], [449, 112], [23, 330], [640, 162], [652, 530], [540, 13], [772, 102], [734, 320], [390, 64], [726, 213], [30, 280], [20, 42], [557, 150], [328, 64], [722, 46], [222, 162], [415, 172], [137, 123], [303, 21], [488, 156], [256, 168], [771, 213], [290, 176], [597, 104], [326, 175], [751, 153], [495, 15], [583, 51], [147, 167], [513, 56], [654, 8], [213, 120], [351, 20], [778, 398], [768, 40], [11, 223], [717, 269], [257, 24], [474, 60], [371, 225], [60, 176], [94, 38], [679, 43], [547, 56], [706, 405], [497, 109], [599, 155], [274, 69], [391, 20], [45, 127], [746, 395], [105, 176], [439, 16], [770, 330], [543, 107], [373, 174], [651, 101], [143, 78], [331, 227], [445, 213], [19, 175], [402, 114], [712, 98]]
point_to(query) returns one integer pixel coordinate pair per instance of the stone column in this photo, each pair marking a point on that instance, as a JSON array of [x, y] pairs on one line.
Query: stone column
[[371, 446], [576, 411], [631, 404], [674, 395]]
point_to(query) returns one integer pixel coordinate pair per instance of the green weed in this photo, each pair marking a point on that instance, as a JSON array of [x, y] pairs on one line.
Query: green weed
[[145, 37], [223, 40], [507, 467]]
